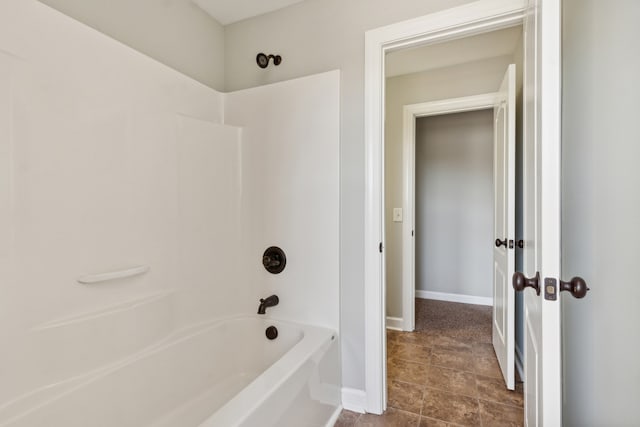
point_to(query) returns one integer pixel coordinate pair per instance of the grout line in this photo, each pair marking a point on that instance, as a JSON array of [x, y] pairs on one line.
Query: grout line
[[501, 403], [406, 382]]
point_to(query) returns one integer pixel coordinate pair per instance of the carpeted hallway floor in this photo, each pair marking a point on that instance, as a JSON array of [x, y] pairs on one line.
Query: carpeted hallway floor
[[444, 374]]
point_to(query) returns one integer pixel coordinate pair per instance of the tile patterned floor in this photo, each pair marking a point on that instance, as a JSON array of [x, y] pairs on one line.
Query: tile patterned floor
[[444, 374]]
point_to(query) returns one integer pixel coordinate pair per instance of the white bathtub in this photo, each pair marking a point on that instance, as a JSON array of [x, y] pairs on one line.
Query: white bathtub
[[220, 374]]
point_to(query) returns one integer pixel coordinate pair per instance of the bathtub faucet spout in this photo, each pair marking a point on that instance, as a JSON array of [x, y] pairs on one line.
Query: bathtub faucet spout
[[267, 302]]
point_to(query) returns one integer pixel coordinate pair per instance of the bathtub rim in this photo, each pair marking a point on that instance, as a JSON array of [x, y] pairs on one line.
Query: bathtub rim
[[315, 342], [26, 403]]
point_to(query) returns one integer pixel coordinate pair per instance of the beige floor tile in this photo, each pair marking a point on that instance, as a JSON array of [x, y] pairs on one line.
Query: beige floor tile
[[447, 343], [487, 366], [405, 396], [483, 349], [347, 419], [451, 380], [497, 415], [406, 371], [459, 360], [413, 352], [430, 422], [494, 390], [451, 407], [413, 338], [391, 418], [452, 359], [392, 335]]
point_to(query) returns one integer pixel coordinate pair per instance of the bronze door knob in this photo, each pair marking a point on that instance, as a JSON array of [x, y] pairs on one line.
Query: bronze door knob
[[577, 286], [520, 282]]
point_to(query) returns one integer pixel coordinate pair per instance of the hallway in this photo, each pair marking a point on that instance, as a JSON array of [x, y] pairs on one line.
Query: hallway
[[444, 374]]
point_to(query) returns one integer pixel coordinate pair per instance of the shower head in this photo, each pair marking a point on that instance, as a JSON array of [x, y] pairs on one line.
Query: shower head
[[263, 60]]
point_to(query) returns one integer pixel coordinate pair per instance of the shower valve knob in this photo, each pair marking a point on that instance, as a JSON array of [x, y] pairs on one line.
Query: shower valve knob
[[270, 262], [274, 260]]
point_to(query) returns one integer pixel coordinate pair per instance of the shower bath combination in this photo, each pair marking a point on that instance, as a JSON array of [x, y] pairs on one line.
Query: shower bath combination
[[263, 60], [132, 315]]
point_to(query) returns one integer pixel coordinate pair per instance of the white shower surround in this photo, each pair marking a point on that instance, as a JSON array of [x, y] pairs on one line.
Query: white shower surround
[[109, 159], [290, 192]]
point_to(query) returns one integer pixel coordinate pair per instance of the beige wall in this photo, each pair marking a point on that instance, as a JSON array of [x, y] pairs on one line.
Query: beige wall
[[451, 82], [315, 36], [600, 205], [454, 203], [174, 32]]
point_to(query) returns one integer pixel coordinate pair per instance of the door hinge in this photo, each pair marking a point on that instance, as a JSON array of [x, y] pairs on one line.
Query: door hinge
[[411, 233], [380, 247]]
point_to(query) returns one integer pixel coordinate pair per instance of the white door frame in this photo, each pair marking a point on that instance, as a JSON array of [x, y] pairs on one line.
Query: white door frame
[[410, 113], [463, 21], [542, 99]]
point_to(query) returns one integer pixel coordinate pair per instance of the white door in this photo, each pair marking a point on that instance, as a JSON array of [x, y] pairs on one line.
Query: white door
[[504, 182], [541, 226]]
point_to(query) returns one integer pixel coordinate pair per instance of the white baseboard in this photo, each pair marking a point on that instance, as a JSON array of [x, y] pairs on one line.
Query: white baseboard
[[395, 323], [354, 400], [442, 296], [520, 362], [334, 417]]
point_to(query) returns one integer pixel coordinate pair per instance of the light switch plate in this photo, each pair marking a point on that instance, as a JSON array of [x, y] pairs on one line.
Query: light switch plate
[[397, 214]]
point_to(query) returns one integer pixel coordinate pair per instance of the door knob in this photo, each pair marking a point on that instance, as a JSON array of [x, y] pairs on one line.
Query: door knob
[[501, 242], [520, 282], [577, 286]]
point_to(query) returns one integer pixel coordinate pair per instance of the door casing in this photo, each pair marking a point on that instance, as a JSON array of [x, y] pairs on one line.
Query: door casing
[[410, 113], [459, 22]]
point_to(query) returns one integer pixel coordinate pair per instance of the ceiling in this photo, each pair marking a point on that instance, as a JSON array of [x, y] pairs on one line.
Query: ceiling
[[460, 51], [230, 11]]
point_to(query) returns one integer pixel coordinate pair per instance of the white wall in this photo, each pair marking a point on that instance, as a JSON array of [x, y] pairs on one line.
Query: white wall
[[175, 32], [454, 203], [291, 194], [316, 36], [107, 159], [467, 79], [600, 205]]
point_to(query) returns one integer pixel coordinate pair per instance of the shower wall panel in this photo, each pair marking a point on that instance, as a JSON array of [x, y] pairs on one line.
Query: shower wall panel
[[108, 160], [291, 194]]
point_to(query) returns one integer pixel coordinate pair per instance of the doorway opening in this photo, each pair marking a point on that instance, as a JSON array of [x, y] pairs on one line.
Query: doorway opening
[[540, 191], [440, 226], [449, 186], [461, 57], [453, 203]]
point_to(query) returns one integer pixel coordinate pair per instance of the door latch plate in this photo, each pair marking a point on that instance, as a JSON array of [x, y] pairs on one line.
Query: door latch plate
[[550, 289]]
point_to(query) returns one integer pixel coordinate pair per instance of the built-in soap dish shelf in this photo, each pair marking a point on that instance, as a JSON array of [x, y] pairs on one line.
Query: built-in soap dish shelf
[[123, 273]]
